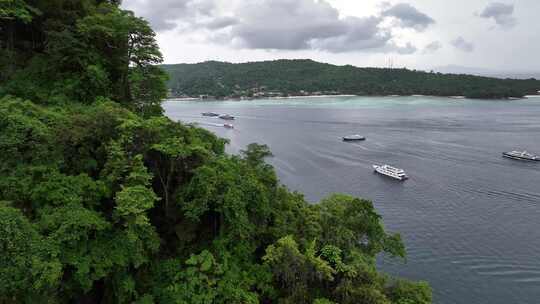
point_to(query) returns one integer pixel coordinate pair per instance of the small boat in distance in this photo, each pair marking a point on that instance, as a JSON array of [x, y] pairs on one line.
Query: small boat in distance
[[390, 171], [210, 114], [227, 117], [521, 155], [228, 126], [355, 137]]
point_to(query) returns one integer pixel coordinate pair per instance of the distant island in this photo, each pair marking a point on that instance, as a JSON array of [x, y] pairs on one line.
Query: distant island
[[282, 78]]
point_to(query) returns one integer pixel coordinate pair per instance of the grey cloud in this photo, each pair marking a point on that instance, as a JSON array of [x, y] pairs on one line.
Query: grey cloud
[[204, 7], [432, 47], [165, 15], [500, 12], [357, 34], [162, 16], [463, 45], [408, 16], [363, 34], [408, 49], [310, 24], [283, 24], [220, 23], [286, 24]]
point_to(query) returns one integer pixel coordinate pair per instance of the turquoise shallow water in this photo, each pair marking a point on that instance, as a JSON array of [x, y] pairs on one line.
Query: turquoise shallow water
[[351, 102], [470, 218]]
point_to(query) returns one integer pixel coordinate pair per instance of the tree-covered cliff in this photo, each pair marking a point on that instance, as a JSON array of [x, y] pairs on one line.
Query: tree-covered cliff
[[105, 200]]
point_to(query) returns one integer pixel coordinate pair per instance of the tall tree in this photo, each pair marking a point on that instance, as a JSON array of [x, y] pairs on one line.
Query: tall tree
[[130, 52]]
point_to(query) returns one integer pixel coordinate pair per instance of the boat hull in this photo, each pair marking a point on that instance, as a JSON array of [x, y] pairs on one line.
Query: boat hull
[[520, 158], [354, 139]]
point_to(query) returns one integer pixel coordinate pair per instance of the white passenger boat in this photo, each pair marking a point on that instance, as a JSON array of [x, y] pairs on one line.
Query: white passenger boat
[[354, 137], [390, 171]]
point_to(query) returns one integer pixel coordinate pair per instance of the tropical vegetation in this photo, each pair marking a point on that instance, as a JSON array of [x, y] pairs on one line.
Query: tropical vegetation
[[103, 199]]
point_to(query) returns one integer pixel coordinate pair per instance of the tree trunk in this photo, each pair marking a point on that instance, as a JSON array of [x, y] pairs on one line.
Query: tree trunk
[[125, 78], [10, 47], [10, 35]]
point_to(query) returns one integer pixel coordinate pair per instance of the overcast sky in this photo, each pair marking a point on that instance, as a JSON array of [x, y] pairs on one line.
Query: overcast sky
[[499, 35]]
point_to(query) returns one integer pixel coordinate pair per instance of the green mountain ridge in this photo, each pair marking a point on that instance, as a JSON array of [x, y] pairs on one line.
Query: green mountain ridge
[[306, 77]]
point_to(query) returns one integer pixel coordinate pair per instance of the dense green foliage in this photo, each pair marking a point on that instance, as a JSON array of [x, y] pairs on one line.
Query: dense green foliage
[[99, 204], [55, 52], [105, 200], [298, 77]]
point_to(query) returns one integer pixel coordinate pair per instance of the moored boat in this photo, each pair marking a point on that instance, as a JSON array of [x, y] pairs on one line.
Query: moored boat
[[228, 126], [390, 171], [354, 137], [521, 155], [227, 117], [210, 114]]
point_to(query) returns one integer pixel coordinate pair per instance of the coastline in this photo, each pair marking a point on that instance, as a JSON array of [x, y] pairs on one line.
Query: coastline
[[172, 99], [314, 96]]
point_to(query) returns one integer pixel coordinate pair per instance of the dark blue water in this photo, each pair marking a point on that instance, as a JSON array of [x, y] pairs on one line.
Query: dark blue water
[[470, 218]]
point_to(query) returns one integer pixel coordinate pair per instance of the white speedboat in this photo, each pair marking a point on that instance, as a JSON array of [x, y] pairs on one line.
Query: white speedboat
[[227, 117], [210, 114], [390, 171], [521, 155]]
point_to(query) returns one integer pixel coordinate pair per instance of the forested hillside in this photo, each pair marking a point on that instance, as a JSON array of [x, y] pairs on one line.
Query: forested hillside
[[105, 200], [299, 77]]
